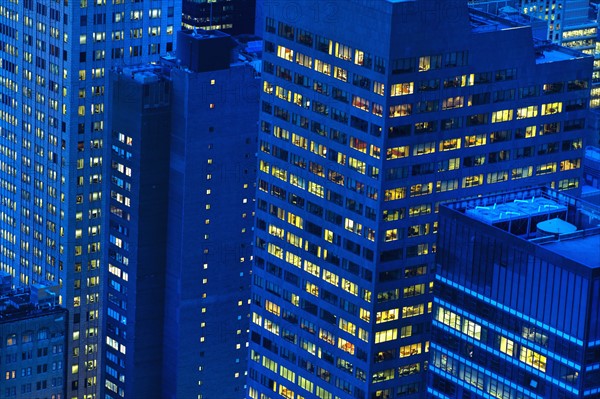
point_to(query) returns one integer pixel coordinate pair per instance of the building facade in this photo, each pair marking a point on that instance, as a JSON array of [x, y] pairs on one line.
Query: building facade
[[135, 237], [359, 141], [182, 157], [591, 169], [210, 218], [230, 16], [515, 307], [55, 62], [33, 341]]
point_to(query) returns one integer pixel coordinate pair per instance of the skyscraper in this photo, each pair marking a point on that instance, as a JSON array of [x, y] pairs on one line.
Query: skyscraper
[[55, 62], [231, 16], [210, 218], [515, 307], [371, 114], [135, 235], [181, 214]]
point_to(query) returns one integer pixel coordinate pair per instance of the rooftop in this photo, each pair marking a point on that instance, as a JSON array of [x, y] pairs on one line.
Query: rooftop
[[557, 222], [582, 249], [23, 303]]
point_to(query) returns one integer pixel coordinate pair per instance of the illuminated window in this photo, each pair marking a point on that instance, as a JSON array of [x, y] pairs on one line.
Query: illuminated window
[[475, 140], [449, 318], [285, 53], [472, 329], [533, 359], [340, 73], [523, 172], [507, 346], [397, 152], [386, 335], [346, 326], [401, 89], [395, 194], [449, 144], [453, 102], [427, 63], [346, 346], [552, 108], [502, 116], [386, 315], [527, 112], [391, 235], [322, 67], [410, 350], [343, 52], [330, 277], [472, 181], [400, 110]]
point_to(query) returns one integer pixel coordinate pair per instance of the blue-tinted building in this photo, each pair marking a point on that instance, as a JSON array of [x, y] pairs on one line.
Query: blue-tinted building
[[135, 234], [210, 218], [371, 114], [516, 298], [56, 59], [181, 210]]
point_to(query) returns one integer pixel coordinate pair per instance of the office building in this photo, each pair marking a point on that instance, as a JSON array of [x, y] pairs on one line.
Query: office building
[[235, 17], [179, 237], [56, 56], [33, 341], [135, 234], [367, 122], [516, 298], [210, 218]]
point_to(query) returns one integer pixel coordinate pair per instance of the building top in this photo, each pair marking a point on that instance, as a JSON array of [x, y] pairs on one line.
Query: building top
[[552, 221], [545, 51], [25, 303], [203, 51], [592, 154], [582, 249]]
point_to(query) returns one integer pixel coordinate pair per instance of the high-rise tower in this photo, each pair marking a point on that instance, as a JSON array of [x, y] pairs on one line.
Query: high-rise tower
[[135, 234], [210, 217], [55, 61], [183, 154], [371, 114]]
